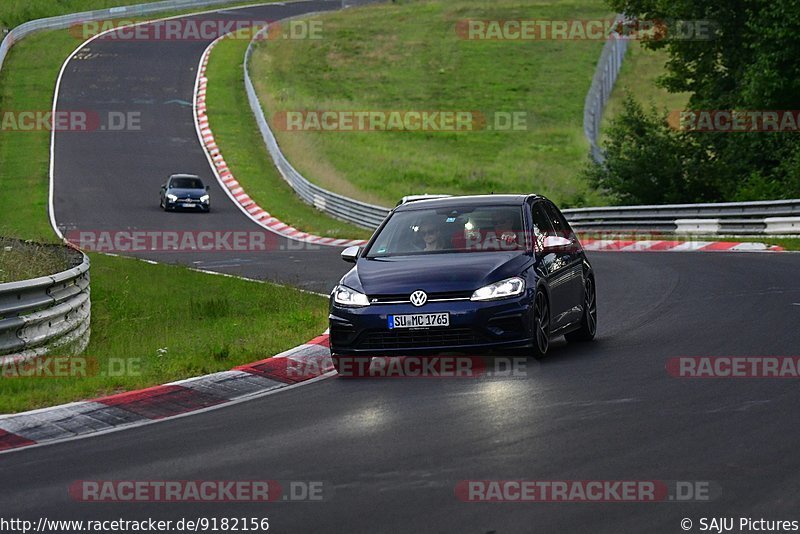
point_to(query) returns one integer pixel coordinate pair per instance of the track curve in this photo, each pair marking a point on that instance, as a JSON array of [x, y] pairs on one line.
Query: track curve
[[392, 451], [108, 181]]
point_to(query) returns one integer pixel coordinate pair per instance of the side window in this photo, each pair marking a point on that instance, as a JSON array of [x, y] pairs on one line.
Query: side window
[[560, 225], [541, 226]]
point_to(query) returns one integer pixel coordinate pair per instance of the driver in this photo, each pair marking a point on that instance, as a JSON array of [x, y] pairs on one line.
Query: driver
[[506, 235]]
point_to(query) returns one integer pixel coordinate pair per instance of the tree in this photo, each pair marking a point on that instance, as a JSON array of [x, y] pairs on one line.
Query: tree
[[648, 162], [749, 62]]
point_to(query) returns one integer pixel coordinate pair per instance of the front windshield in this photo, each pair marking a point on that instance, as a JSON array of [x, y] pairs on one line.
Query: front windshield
[[186, 183], [452, 229]]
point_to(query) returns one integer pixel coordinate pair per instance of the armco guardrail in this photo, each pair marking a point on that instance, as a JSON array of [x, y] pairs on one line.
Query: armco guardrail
[[369, 215], [760, 217], [41, 314], [605, 76], [341, 207]]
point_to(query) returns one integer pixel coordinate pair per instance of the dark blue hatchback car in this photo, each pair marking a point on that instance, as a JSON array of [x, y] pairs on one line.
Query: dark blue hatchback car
[[463, 274]]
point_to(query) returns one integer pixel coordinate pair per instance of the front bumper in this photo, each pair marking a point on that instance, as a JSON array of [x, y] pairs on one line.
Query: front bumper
[[474, 327], [192, 205]]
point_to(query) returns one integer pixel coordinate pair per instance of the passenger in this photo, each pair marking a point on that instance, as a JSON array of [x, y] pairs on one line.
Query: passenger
[[431, 234]]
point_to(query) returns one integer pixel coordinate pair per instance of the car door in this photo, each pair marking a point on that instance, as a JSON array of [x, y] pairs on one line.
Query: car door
[[552, 265], [571, 274]]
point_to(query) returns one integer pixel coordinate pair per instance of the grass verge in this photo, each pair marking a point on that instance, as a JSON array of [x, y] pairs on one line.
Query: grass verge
[[237, 135], [408, 56], [638, 76], [15, 12], [137, 308], [146, 331], [22, 260]]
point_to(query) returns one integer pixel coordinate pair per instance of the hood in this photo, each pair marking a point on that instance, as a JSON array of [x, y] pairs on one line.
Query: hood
[[434, 273], [191, 193]]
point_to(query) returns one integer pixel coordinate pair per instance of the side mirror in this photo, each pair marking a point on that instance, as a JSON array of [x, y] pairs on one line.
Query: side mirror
[[554, 242], [164, 186], [350, 254], [208, 187]]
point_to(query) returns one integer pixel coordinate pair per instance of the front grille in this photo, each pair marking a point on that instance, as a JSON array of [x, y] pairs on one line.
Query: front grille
[[406, 339], [406, 297]]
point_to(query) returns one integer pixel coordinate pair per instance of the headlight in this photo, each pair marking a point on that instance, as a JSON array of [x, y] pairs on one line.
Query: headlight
[[509, 287], [205, 198], [171, 197], [345, 296]]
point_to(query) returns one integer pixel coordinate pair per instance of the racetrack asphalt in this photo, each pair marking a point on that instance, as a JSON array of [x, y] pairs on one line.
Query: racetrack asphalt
[[108, 180], [391, 451]]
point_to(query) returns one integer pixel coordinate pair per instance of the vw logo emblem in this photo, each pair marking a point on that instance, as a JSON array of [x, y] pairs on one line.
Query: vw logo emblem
[[418, 298]]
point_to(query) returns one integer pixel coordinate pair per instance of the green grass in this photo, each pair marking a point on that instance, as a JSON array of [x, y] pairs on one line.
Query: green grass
[[22, 260], [638, 76], [15, 12], [26, 83], [137, 308], [155, 320], [407, 56], [237, 135]]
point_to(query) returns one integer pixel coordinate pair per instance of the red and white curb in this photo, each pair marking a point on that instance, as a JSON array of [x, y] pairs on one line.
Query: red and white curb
[[616, 245], [298, 365], [227, 180]]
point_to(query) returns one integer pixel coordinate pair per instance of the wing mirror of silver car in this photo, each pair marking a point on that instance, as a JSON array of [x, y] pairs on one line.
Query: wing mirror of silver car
[[350, 254], [555, 242]]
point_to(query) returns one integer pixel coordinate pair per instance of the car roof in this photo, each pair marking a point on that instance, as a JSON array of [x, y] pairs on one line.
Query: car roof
[[415, 198], [470, 200], [180, 175]]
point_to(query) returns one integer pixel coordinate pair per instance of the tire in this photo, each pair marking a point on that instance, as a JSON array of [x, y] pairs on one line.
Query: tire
[[541, 325], [588, 326], [352, 366]]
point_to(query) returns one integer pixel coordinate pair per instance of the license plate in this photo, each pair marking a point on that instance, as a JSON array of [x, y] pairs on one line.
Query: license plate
[[188, 205], [419, 320]]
